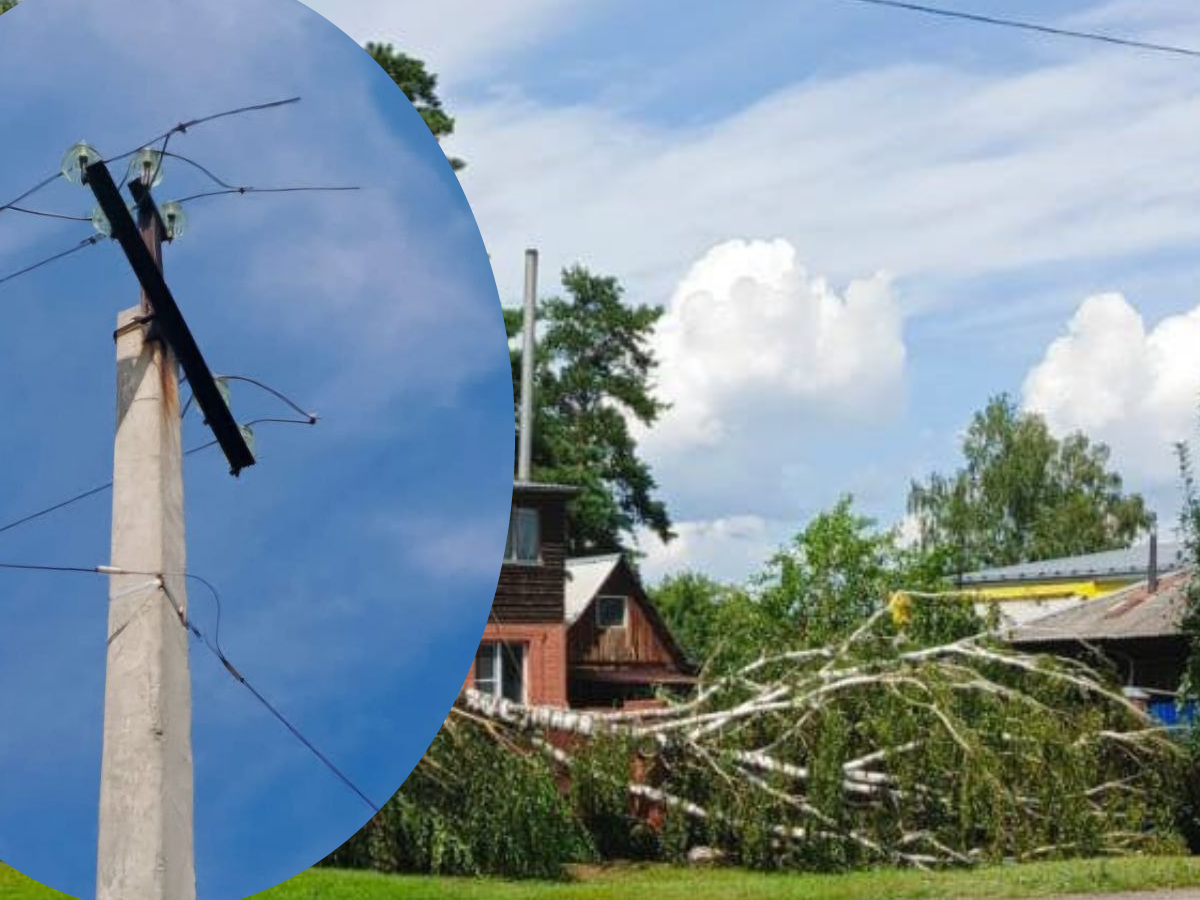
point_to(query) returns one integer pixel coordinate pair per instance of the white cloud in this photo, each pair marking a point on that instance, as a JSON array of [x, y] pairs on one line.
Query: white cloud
[[749, 337], [986, 174], [460, 39], [1134, 387], [727, 549]]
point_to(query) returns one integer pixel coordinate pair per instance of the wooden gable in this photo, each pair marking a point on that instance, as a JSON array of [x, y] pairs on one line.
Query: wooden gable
[[642, 643]]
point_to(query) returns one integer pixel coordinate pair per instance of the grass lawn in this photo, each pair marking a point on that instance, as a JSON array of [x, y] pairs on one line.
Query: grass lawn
[[666, 883]]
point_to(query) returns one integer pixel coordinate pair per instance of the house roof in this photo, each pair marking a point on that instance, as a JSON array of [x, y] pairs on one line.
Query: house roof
[[585, 576], [1131, 613], [1130, 561]]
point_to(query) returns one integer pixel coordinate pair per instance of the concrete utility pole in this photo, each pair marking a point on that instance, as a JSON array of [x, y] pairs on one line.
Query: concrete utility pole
[[145, 847]]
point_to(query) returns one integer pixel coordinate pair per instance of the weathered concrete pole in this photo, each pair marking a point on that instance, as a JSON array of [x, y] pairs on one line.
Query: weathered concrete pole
[[145, 847]]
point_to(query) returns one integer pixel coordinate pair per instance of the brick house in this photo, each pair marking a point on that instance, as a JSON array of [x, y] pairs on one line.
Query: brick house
[[578, 632]]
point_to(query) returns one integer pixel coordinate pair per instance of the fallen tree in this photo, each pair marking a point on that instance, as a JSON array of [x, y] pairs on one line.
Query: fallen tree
[[872, 751], [875, 750]]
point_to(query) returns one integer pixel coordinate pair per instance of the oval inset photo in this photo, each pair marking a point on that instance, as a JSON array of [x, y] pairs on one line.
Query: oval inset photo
[[228, 241]]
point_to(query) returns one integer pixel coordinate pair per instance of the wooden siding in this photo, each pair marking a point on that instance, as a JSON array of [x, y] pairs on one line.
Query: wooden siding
[[528, 592], [638, 643]]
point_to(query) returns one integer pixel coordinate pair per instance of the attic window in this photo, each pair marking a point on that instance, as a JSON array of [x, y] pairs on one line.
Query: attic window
[[524, 540], [610, 612]]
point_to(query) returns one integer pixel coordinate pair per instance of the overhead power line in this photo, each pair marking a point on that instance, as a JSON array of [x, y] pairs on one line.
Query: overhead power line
[[86, 242], [254, 190], [48, 215], [165, 137], [214, 649], [1032, 26], [191, 123], [33, 190], [101, 488]]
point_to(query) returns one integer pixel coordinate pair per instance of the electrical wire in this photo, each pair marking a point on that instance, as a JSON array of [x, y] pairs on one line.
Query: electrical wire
[[1031, 26], [182, 127], [191, 162], [48, 215], [212, 648], [215, 649], [33, 190], [86, 242], [255, 190], [99, 489], [309, 418]]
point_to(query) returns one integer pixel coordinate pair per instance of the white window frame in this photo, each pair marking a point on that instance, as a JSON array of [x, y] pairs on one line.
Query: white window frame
[[513, 543], [600, 623], [495, 649]]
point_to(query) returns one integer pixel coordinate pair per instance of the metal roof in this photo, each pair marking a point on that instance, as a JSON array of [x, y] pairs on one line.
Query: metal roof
[[1130, 561], [585, 576], [1131, 613]]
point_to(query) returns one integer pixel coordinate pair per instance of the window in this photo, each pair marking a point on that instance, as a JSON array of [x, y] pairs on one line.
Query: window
[[610, 612], [500, 670], [524, 542]]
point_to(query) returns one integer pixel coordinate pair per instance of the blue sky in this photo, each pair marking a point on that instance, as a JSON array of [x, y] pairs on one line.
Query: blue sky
[[358, 559], [754, 168]]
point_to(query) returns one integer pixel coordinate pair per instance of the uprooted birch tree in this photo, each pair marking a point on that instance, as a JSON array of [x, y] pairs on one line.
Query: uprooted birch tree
[[871, 751]]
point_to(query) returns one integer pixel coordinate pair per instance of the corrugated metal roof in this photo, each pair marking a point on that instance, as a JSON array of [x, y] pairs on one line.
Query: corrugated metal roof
[[1133, 612], [585, 576], [1130, 561]]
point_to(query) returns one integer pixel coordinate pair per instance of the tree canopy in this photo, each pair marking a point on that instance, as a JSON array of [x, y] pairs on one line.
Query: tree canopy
[[592, 375], [1024, 495], [419, 86], [838, 571]]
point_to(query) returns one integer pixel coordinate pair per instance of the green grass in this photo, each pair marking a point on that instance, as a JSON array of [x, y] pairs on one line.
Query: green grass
[[666, 883]]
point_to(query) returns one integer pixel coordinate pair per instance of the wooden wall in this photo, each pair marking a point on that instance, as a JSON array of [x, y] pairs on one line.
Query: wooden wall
[[534, 593], [638, 643]]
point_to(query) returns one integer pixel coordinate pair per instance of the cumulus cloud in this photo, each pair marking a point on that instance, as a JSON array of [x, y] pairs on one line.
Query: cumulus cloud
[[728, 548], [1116, 379], [754, 351]]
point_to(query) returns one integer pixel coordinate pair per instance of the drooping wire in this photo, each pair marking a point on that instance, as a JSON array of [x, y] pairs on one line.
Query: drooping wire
[[309, 418], [86, 242], [325, 760], [48, 215], [184, 126], [1032, 26], [255, 190], [191, 162], [279, 395], [33, 190], [215, 651]]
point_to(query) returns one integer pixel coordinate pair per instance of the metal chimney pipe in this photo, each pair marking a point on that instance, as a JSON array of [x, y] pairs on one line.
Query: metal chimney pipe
[[528, 351], [1152, 577]]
